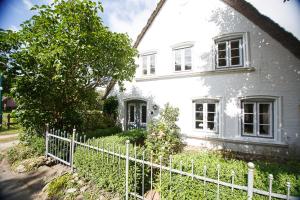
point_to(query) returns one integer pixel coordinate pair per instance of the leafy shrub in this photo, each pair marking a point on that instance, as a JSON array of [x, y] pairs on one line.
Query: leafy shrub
[[183, 187], [164, 135], [30, 146], [103, 132], [107, 172], [137, 136], [110, 106], [19, 152], [35, 142], [95, 119], [56, 187]]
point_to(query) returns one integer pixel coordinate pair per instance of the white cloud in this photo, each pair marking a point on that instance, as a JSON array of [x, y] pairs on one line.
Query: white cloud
[[13, 28], [28, 4], [128, 15]]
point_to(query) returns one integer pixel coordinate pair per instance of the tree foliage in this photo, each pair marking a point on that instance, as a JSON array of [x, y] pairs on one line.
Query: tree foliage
[[66, 52]]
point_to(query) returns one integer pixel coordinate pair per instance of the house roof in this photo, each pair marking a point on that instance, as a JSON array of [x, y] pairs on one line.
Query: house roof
[[285, 38]]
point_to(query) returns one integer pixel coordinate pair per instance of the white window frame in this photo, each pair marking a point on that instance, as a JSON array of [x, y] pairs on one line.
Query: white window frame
[[243, 50], [256, 120], [182, 47], [146, 66], [205, 102]]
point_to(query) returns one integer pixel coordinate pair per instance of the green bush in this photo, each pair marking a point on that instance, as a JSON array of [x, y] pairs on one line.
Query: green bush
[[103, 132], [56, 187], [137, 136], [163, 137], [19, 152], [30, 146], [183, 187], [110, 107], [34, 142], [105, 171], [92, 120]]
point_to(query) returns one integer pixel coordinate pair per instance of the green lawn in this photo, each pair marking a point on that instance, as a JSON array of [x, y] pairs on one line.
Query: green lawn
[[14, 129]]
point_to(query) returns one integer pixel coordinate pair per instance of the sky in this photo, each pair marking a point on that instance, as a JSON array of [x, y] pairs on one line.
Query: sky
[[131, 15]]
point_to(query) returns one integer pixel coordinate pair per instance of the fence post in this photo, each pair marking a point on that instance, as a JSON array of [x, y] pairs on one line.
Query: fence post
[[127, 171], [72, 150], [250, 180], [47, 139]]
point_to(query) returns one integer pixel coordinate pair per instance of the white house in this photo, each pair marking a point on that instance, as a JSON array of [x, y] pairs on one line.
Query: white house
[[233, 73]]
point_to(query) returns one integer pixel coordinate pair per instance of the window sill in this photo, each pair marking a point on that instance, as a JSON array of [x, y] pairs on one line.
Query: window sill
[[246, 141], [184, 74]]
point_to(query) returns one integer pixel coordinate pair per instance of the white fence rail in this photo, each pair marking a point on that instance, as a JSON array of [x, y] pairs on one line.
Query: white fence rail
[[61, 146]]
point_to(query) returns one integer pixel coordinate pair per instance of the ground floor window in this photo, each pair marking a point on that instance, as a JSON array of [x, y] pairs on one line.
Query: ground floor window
[[257, 118], [206, 115]]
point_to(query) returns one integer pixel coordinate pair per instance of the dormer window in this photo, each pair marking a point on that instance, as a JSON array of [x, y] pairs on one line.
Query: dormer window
[[148, 63], [231, 51]]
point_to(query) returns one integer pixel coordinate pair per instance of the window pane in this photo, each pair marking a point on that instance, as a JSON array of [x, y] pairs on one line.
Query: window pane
[[177, 60], [144, 114], [131, 113], [264, 119], [234, 44], [210, 117], [248, 108], [211, 107], [248, 118], [199, 116], [222, 54], [144, 64], [248, 128], [222, 63], [199, 125], [188, 59], [199, 107], [235, 61], [264, 108], [210, 125], [152, 64], [264, 129], [235, 52], [222, 46]]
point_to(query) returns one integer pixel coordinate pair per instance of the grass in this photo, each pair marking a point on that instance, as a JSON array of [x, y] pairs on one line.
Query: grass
[[14, 129]]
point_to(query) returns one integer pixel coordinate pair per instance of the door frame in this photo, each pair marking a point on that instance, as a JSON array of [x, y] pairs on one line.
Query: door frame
[[138, 102]]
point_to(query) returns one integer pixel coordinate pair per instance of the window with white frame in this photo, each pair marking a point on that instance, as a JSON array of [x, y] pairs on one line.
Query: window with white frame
[[257, 118], [183, 58], [148, 64], [231, 51], [206, 115]]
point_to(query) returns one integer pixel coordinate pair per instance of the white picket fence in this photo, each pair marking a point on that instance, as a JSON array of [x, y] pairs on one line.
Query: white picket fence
[[61, 147]]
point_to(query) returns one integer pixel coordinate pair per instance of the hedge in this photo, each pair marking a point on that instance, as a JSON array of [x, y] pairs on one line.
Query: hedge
[[104, 170], [183, 187]]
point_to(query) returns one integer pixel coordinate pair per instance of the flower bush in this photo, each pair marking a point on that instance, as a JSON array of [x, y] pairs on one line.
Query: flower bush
[[163, 137]]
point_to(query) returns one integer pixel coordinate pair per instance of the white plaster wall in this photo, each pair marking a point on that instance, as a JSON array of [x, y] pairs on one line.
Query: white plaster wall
[[277, 71]]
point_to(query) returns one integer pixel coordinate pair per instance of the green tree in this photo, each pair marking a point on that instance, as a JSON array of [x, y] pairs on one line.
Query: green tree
[[8, 45], [65, 54]]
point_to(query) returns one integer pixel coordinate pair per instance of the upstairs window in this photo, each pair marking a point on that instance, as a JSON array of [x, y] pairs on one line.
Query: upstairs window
[[257, 118], [183, 59], [148, 64], [231, 51]]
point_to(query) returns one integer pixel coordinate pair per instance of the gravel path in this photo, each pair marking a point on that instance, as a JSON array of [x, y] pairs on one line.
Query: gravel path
[[16, 186]]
